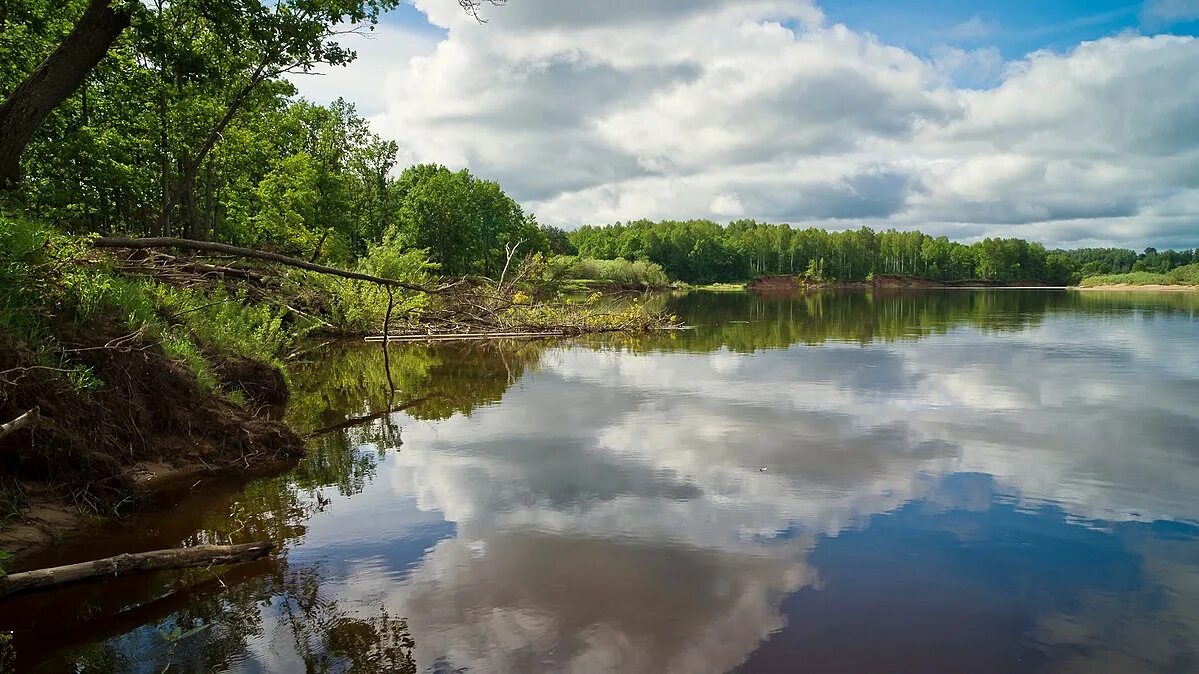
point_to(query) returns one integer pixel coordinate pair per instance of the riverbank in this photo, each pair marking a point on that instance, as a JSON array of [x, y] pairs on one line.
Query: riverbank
[[124, 368], [116, 419], [1154, 287], [1185, 277], [797, 283]]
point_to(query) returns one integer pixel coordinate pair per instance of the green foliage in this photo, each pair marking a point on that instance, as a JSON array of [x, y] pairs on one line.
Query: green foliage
[[701, 251], [224, 322], [464, 223], [48, 278], [619, 272], [1181, 276], [7, 657], [358, 307]]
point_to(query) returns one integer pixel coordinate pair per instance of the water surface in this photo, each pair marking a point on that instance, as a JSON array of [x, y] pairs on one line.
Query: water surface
[[959, 481]]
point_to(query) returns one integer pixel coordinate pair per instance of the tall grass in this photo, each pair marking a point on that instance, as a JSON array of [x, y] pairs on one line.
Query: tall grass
[[50, 281], [1186, 275]]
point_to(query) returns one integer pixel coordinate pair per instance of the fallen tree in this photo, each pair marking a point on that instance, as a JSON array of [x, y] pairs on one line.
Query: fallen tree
[[466, 308], [19, 423], [250, 253], [126, 564]]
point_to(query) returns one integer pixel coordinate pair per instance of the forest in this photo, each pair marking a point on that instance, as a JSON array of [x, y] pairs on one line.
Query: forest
[[702, 251], [181, 118]]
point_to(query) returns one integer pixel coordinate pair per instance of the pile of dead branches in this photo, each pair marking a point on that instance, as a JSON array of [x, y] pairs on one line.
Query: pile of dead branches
[[467, 306]]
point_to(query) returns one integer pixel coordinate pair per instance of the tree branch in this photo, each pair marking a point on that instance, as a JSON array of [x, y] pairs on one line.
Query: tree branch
[[200, 555], [18, 423], [214, 247]]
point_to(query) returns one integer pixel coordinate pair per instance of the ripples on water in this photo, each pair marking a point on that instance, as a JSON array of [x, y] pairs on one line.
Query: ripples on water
[[993, 481]]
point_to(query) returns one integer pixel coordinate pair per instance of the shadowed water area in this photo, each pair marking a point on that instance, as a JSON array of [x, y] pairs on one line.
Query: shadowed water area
[[942, 481]]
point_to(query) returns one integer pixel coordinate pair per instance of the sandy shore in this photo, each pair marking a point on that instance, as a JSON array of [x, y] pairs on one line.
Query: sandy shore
[[1128, 286]]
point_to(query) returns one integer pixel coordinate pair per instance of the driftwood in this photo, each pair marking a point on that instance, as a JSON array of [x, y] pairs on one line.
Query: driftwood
[[158, 560], [214, 247], [18, 423], [454, 336]]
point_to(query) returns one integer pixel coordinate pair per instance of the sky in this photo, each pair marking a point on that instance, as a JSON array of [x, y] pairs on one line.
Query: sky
[[1071, 122]]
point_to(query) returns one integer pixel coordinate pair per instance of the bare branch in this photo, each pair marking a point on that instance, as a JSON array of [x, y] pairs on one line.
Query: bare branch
[[213, 247], [18, 423]]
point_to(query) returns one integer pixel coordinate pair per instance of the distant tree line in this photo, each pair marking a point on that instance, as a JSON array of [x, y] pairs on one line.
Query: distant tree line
[[1099, 261], [702, 251]]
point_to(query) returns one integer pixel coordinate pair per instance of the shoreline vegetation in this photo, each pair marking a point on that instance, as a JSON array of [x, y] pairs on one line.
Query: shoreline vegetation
[[1180, 278], [128, 365], [1143, 287], [178, 228]]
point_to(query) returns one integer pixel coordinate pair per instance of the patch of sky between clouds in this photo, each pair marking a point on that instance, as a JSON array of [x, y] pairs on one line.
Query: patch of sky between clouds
[[1015, 28], [399, 36]]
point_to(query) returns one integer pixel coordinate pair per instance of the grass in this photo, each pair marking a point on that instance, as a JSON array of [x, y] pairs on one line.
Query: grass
[[720, 287], [1182, 276], [50, 281]]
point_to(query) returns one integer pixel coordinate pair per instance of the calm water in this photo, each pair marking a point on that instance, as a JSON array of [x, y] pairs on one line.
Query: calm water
[[991, 481]]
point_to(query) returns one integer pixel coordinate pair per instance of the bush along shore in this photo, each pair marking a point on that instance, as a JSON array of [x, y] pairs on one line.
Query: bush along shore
[[1180, 278], [125, 363]]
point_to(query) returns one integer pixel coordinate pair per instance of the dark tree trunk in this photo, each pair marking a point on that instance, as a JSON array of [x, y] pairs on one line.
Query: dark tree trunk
[[59, 76], [183, 194]]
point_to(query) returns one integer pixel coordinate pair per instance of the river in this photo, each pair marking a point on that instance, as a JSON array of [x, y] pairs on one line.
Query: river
[[923, 481]]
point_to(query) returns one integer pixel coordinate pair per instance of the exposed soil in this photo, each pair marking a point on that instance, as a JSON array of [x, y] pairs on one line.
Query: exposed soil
[[95, 451], [794, 283], [260, 383]]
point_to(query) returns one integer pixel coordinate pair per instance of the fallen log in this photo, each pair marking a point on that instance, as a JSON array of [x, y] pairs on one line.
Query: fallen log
[[18, 423], [214, 247], [140, 562], [452, 336]]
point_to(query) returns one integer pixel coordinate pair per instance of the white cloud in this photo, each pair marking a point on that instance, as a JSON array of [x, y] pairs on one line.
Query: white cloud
[[973, 29], [1157, 12], [385, 50], [592, 112]]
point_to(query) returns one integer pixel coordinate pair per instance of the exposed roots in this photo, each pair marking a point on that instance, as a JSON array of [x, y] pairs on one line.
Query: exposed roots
[[141, 407]]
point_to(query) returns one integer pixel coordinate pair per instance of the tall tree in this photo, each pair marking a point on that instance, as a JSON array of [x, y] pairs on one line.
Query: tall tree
[[59, 76]]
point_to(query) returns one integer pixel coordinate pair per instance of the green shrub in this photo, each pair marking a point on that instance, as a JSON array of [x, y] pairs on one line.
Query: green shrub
[[618, 272], [1186, 275], [359, 307], [227, 322]]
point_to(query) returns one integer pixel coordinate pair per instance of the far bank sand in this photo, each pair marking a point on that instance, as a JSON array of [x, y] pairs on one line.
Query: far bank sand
[[1129, 286]]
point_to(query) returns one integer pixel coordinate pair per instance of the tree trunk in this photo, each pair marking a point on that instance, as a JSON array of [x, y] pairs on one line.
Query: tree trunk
[[201, 555], [59, 76], [189, 166]]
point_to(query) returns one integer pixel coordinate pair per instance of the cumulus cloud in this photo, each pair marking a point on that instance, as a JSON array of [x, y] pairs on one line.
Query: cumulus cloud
[[592, 112]]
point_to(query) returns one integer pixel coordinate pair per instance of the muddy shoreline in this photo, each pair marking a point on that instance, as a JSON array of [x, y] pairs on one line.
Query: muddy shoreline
[[146, 426]]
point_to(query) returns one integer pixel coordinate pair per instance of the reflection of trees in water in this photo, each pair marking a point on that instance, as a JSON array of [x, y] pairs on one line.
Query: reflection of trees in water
[[328, 639], [744, 322], [217, 631], [456, 378], [213, 626], [207, 630]]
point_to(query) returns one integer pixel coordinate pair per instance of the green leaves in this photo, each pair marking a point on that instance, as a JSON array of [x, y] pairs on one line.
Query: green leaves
[[464, 222]]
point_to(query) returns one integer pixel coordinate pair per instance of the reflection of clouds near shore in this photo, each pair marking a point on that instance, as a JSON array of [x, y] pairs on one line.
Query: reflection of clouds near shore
[[612, 513]]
